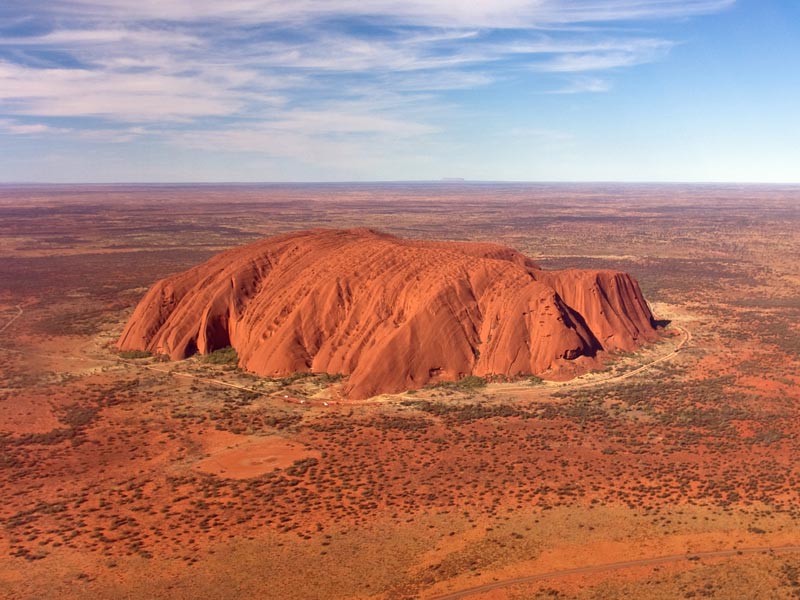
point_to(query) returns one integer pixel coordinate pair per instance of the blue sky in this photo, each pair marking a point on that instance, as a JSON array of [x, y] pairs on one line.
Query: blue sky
[[369, 90]]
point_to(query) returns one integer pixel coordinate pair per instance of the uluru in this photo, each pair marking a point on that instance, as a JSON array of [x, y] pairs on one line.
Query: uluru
[[391, 314]]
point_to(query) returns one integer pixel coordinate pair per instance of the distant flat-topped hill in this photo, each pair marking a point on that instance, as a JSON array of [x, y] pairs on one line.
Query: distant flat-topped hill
[[393, 314]]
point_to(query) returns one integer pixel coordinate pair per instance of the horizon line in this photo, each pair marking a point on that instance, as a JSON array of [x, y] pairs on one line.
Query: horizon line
[[443, 181]]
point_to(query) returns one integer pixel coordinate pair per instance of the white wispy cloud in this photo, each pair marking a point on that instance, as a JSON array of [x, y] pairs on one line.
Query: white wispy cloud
[[440, 13], [125, 96], [287, 76], [89, 37], [582, 85], [596, 61], [12, 127]]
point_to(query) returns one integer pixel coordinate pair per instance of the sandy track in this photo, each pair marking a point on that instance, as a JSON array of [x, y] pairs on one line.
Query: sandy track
[[573, 385], [616, 566], [14, 318], [208, 380], [687, 337]]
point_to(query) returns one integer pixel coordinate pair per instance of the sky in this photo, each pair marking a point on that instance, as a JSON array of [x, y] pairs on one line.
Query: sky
[[392, 90]]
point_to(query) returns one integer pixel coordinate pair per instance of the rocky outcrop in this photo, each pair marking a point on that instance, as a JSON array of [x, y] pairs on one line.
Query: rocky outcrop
[[392, 314]]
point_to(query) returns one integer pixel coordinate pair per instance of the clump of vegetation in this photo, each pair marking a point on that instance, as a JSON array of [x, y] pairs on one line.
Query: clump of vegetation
[[310, 377], [471, 382], [465, 384], [294, 377], [77, 416], [534, 380], [223, 356], [768, 436], [281, 421], [465, 413], [128, 354], [299, 467], [401, 423], [326, 378]]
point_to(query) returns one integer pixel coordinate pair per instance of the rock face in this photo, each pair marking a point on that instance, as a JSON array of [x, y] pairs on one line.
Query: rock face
[[392, 314]]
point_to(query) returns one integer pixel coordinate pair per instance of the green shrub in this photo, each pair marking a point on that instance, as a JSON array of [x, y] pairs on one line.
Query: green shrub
[[295, 377], [326, 378], [465, 413], [223, 356], [299, 467], [465, 384], [134, 354], [471, 382]]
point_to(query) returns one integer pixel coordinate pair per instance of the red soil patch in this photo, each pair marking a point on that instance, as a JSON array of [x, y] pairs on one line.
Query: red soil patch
[[253, 456], [27, 414]]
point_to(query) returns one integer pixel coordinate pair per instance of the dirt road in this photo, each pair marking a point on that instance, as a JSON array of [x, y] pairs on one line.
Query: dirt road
[[208, 380], [687, 337], [574, 384], [616, 566], [14, 318]]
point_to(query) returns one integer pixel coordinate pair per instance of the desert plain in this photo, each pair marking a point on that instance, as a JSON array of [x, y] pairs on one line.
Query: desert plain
[[669, 472]]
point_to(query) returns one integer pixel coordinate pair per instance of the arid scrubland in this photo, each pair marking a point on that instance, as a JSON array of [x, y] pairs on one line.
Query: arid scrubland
[[128, 476]]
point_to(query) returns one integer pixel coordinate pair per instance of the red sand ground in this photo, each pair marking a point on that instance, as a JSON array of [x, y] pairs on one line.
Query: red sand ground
[[418, 495], [242, 457]]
